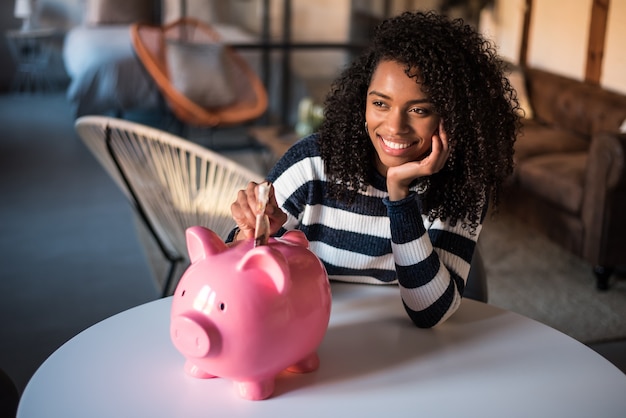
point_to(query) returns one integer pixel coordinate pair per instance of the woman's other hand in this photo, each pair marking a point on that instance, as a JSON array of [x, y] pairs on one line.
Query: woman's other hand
[[400, 177], [244, 213]]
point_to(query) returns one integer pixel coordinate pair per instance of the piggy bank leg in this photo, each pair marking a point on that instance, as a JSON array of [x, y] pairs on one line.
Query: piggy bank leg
[[308, 364], [192, 370], [255, 391]]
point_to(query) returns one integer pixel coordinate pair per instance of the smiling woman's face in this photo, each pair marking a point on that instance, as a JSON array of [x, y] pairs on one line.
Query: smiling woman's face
[[400, 118]]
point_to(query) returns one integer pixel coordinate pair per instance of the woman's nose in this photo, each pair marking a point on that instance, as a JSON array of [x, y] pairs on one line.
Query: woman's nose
[[396, 122]]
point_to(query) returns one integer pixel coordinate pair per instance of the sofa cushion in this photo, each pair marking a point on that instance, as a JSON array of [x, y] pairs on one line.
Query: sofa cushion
[[557, 178], [536, 139], [580, 107]]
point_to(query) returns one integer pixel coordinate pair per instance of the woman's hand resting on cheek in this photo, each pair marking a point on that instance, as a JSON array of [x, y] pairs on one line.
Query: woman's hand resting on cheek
[[400, 177], [244, 213]]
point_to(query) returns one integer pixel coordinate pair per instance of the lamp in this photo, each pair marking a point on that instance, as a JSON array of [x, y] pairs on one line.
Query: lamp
[[24, 10]]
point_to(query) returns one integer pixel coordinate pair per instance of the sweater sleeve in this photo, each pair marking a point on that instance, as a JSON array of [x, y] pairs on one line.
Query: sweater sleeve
[[296, 175], [431, 265]]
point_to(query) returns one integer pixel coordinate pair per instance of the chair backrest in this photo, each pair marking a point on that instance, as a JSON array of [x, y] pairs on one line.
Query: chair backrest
[[476, 285], [173, 183], [150, 43]]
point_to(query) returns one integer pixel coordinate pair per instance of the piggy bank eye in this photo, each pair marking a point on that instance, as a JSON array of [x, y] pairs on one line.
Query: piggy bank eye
[[222, 306]]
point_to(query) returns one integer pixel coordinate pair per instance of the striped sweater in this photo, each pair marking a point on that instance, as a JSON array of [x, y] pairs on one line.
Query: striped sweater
[[376, 240]]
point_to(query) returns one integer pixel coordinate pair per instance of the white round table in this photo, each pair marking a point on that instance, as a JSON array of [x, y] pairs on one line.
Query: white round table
[[483, 362]]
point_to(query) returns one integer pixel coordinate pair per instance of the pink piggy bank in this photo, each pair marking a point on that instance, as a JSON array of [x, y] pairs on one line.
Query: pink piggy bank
[[247, 313]]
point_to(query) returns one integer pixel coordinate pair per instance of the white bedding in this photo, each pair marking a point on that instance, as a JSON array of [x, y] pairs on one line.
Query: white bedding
[[105, 74]]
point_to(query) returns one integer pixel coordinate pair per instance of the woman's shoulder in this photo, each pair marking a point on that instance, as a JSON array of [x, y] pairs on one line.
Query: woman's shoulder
[[306, 148]]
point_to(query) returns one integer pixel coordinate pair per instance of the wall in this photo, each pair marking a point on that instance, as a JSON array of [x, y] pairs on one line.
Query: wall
[[614, 65], [504, 14], [558, 37], [320, 21], [60, 13], [557, 43]]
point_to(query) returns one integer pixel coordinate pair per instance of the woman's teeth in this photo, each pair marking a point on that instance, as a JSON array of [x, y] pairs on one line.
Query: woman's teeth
[[395, 145]]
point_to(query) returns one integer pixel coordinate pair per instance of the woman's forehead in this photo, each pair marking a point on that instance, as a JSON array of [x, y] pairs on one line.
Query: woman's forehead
[[390, 78]]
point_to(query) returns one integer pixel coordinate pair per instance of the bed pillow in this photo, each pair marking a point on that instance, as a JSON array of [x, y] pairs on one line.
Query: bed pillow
[[201, 72], [118, 12], [518, 81]]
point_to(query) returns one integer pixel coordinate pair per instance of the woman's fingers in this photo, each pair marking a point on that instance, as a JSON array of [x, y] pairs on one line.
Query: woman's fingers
[[275, 214], [244, 208], [440, 149]]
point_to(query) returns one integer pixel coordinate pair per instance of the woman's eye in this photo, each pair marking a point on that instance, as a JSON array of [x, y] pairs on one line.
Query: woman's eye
[[378, 103], [420, 111]]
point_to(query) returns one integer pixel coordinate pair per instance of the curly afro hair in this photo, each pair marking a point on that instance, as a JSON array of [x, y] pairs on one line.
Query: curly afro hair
[[465, 80]]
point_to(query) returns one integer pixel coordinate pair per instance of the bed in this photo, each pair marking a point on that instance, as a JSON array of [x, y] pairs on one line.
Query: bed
[[105, 75]]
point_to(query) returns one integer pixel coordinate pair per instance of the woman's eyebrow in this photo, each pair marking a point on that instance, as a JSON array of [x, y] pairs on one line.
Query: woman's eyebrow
[[376, 93], [384, 96]]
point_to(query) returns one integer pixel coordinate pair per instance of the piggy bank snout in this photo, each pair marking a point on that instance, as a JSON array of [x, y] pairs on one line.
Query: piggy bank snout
[[191, 334]]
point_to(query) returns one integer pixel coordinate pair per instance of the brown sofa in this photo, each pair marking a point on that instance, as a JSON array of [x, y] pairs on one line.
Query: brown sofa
[[570, 175]]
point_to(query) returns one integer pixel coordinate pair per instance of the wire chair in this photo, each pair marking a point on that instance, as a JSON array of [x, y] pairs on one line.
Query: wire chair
[[172, 183]]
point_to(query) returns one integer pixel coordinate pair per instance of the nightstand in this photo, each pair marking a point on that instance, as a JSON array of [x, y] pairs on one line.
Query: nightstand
[[32, 50]]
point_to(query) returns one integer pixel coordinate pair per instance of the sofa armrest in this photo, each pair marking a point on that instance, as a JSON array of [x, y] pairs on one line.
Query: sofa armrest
[[604, 198]]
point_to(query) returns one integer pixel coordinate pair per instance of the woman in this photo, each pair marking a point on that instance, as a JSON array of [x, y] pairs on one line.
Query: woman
[[417, 139]]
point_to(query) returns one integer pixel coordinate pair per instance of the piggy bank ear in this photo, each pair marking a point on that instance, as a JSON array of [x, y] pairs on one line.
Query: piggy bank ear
[[270, 262], [201, 242], [295, 237]]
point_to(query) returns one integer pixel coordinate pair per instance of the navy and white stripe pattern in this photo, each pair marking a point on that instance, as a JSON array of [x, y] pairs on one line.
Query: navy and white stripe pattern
[[375, 240]]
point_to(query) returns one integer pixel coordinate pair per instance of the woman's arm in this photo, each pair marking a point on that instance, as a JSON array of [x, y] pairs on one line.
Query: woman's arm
[[431, 265]]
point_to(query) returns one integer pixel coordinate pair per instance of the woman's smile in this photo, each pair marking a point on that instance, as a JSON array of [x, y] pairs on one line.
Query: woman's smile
[[394, 146]]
